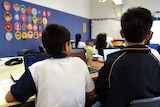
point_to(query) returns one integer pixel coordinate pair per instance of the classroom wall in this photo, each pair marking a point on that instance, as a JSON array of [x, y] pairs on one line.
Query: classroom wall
[[104, 17], [75, 24], [106, 10], [76, 7]]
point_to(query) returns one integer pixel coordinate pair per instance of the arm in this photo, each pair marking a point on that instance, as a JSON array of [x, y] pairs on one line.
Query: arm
[[9, 97], [22, 90], [91, 95], [90, 98]]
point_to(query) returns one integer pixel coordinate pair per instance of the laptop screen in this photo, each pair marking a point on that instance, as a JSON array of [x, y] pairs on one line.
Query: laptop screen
[[29, 59], [79, 52], [107, 51], [154, 46]]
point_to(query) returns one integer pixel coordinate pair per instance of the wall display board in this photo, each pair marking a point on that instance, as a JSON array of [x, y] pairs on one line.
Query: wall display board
[[22, 24]]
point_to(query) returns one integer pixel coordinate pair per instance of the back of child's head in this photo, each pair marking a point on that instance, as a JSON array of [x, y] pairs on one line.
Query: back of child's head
[[54, 38], [78, 38], [136, 23], [101, 39], [101, 42]]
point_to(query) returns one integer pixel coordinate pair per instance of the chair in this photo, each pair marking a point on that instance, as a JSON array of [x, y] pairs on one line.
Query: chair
[[147, 102]]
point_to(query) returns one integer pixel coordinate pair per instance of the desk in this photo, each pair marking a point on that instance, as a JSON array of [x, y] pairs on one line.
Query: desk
[[5, 72], [97, 65]]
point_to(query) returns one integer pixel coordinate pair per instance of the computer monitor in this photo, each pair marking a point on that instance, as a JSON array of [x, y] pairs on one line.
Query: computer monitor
[[107, 51], [154, 46]]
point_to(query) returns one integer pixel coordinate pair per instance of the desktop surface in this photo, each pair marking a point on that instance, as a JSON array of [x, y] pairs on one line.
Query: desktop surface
[[5, 72]]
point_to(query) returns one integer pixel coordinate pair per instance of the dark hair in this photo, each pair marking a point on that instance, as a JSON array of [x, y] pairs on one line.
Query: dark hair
[[136, 23], [78, 38], [54, 38], [101, 42]]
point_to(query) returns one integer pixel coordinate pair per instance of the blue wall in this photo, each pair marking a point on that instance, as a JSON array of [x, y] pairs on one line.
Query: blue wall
[[72, 22]]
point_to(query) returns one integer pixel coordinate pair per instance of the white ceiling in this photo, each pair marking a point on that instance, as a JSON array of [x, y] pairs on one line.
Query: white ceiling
[[92, 9]]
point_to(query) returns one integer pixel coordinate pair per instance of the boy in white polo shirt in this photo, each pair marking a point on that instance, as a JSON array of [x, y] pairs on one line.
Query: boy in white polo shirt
[[59, 81]]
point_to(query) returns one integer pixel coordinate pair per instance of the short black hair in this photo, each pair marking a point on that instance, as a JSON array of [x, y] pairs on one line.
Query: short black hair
[[54, 37], [136, 23]]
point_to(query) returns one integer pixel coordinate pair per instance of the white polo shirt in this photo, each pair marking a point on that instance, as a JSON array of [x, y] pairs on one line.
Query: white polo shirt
[[61, 82]]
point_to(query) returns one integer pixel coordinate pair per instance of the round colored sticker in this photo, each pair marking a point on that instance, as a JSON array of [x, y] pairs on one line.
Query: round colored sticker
[[39, 13], [29, 19], [8, 26], [16, 17], [35, 35], [45, 21], [30, 34], [23, 17], [40, 27], [7, 16], [17, 35], [24, 36], [24, 26], [16, 7], [6, 6], [8, 36], [35, 27], [34, 19], [44, 14], [23, 9], [29, 26], [48, 14], [34, 11], [40, 34], [29, 10], [17, 26], [40, 21]]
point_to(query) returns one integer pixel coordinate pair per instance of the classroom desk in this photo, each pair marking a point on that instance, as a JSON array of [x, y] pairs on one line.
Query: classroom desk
[[97, 65], [5, 77], [5, 72]]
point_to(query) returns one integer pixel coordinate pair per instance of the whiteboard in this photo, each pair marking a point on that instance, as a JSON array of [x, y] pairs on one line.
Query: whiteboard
[[110, 26], [156, 32]]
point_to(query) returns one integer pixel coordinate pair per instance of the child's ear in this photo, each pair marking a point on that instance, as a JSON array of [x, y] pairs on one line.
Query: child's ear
[[149, 35], [121, 32], [65, 46]]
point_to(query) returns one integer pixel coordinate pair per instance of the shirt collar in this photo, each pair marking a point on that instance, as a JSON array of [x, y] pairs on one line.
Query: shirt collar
[[59, 55]]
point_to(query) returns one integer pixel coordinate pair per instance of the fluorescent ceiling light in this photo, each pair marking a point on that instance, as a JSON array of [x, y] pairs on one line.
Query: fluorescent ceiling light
[[117, 2], [101, 1]]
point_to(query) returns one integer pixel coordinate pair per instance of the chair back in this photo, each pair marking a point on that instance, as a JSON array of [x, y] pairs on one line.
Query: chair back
[[147, 102]]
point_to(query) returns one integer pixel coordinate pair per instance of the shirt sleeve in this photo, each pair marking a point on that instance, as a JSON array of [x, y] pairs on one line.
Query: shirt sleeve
[[89, 82], [24, 87]]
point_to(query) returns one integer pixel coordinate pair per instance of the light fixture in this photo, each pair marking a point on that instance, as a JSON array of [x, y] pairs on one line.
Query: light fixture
[[101, 1], [117, 2]]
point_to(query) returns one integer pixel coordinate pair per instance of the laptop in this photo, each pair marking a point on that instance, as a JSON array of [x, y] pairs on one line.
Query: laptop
[[29, 59], [154, 46], [80, 52], [107, 51]]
